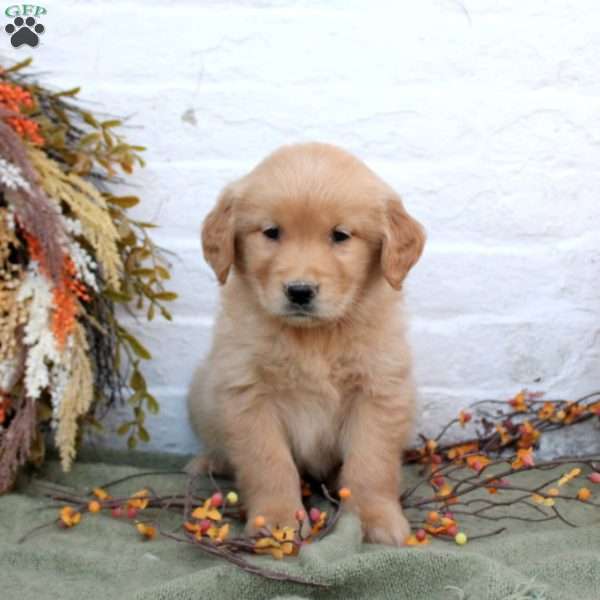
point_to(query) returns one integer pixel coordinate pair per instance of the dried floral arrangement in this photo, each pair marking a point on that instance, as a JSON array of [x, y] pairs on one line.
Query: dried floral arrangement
[[462, 492], [69, 253]]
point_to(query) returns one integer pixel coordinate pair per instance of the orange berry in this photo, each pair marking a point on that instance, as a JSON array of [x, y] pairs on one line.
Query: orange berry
[[433, 516], [94, 506], [260, 522], [584, 494], [344, 493]]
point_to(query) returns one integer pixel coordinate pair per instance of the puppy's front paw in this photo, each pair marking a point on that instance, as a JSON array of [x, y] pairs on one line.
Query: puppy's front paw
[[385, 523]]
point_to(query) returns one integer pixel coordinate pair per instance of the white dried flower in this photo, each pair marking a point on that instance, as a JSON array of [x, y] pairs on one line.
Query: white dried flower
[[42, 350], [11, 176]]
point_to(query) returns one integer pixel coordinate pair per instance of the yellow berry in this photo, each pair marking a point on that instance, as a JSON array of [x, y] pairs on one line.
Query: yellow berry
[[460, 538], [259, 522], [345, 493], [232, 498]]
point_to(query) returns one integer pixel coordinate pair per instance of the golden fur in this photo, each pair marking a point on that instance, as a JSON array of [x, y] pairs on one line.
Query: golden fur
[[284, 392]]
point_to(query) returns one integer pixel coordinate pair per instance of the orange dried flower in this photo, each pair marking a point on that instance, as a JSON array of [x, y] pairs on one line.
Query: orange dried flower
[[444, 491], [101, 494], [519, 402], [505, 437], [477, 462], [319, 523], [69, 517], [207, 511], [218, 534], [139, 500], [529, 435], [547, 411], [279, 544], [524, 458], [464, 417], [412, 540], [27, 129], [63, 315], [459, 451], [573, 412], [148, 532], [15, 98], [594, 408]]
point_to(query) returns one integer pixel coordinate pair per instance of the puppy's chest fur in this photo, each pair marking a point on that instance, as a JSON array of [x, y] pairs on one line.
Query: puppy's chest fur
[[313, 390]]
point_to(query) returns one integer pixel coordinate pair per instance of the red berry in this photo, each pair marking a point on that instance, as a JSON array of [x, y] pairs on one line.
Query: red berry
[[449, 515], [300, 515], [452, 530], [594, 477], [132, 512], [216, 499], [117, 512], [314, 514], [205, 525], [421, 534], [436, 459], [438, 481]]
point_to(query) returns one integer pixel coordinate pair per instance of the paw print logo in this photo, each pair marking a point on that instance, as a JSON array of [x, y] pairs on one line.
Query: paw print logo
[[24, 31]]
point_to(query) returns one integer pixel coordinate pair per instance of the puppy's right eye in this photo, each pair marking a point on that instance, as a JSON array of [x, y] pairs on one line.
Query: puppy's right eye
[[271, 232]]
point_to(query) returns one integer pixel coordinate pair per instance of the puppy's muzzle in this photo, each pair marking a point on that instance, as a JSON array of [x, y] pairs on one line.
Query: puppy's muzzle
[[301, 293]]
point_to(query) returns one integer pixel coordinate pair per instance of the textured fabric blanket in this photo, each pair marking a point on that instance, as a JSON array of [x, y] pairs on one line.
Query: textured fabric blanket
[[103, 558]]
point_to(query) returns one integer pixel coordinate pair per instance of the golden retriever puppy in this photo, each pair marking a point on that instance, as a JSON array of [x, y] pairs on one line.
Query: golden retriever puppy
[[309, 369]]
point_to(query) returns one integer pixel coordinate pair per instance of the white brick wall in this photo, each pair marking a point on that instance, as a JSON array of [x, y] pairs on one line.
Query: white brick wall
[[485, 115]]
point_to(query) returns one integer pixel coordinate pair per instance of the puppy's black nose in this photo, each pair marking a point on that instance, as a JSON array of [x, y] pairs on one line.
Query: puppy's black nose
[[300, 292]]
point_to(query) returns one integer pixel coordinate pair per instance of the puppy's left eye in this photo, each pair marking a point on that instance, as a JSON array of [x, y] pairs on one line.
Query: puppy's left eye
[[272, 233], [339, 235]]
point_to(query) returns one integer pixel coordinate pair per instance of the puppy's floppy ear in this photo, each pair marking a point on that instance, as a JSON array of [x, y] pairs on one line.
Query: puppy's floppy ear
[[218, 235], [403, 242]]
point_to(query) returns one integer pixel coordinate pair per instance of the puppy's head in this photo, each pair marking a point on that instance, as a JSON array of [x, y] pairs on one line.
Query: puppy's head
[[310, 229]]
